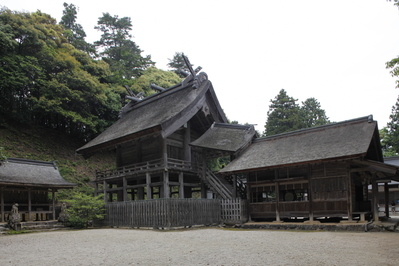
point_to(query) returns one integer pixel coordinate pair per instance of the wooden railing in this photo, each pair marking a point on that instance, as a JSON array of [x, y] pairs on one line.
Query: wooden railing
[[147, 166]]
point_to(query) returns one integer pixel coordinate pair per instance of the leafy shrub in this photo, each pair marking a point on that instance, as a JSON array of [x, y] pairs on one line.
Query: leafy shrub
[[84, 209]]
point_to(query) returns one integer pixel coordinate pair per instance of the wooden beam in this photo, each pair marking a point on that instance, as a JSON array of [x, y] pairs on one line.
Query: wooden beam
[[374, 186], [53, 196], [148, 185], [2, 204], [124, 189], [349, 193], [181, 185], [277, 197], [29, 204], [310, 196], [386, 196]]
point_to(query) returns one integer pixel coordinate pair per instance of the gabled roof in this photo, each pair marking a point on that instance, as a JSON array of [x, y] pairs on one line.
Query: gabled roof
[[348, 139], [225, 137], [162, 113], [22, 172]]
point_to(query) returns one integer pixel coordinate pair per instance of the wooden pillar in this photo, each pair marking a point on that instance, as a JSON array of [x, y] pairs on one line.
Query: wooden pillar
[[310, 198], [148, 185], [124, 188], [278, 202], [386, 196], [234, 186], [374, 188], [53, 196], [29, 205], [105, 186], [204, 177], [181, 185], [187, 140], [349, 194], [140, 193], [166, 188], [2, 205]]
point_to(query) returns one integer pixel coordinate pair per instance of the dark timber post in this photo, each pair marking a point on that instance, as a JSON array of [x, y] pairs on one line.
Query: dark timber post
[[29, 205], [374, 186], [386, 194], [105, 186], [277, 197], [181, 185], [310, 198], [53, 196], [148, 185], [124, 189], [165, 177], [349, 194], [187, 140], [2, 204]]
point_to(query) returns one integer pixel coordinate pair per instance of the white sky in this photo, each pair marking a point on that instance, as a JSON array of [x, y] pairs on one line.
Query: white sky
[[334, 51]]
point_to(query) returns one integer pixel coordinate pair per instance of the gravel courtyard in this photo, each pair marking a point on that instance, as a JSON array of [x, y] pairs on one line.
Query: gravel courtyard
[[210, 246]]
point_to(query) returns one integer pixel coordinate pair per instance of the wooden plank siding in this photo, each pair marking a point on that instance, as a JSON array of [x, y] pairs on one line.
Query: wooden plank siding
[[165, 213], [234, 211]]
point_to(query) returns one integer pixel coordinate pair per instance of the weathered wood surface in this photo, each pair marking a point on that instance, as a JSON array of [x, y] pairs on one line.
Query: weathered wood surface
[[160, 213], [163, 213], [234, 211]]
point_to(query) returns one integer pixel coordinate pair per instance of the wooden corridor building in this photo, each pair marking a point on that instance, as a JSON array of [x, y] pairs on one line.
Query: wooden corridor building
[[317, 172]]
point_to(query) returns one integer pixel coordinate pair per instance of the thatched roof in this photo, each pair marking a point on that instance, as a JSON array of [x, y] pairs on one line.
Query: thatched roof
[[22, 172], [348, 139], [225, 137], [162, 113]]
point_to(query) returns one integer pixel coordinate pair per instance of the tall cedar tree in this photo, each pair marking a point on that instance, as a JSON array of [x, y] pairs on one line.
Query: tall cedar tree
[[74, 31], [119, 51], [286, 115], [312, 114], [283, 115]]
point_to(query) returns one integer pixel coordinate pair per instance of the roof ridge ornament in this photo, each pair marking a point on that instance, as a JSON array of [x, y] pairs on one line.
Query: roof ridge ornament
[[193, 74]]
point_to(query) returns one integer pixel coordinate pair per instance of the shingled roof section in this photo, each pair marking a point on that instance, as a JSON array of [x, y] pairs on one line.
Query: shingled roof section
[[346, 139], [23, 172], [225, 137], [160, 113]]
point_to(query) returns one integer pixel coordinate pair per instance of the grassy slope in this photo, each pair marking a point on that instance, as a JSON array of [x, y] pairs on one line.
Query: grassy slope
[[45, 144]]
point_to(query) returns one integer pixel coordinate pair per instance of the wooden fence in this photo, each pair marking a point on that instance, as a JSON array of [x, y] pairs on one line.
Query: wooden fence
[[234, 211], [160, 213]]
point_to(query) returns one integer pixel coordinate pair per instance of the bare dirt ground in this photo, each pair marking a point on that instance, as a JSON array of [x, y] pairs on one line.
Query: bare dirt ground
[[210, 246]]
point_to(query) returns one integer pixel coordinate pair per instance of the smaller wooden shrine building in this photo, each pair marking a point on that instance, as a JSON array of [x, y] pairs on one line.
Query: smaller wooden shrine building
[[316, 172], [30, 183]]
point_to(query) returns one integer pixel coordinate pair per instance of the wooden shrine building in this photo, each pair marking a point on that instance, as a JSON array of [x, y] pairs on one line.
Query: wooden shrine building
[[30, 183], [151, 140], [317, 172]]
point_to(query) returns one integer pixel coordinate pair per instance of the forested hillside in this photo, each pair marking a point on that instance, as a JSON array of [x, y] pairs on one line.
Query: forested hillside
[[40, 143]]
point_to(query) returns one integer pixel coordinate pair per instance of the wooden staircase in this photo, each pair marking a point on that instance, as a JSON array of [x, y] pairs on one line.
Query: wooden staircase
[[220, 186]]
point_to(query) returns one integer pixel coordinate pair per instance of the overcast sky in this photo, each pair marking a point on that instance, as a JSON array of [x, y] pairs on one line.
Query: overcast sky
[[334, 51]]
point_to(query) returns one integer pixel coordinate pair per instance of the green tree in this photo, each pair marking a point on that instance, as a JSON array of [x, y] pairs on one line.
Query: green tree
[[46, 80], [283, 115], [74, 31], [84, 209], [390, 134], [153, 75], [119, 51], [312, 114], [177, 63]]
